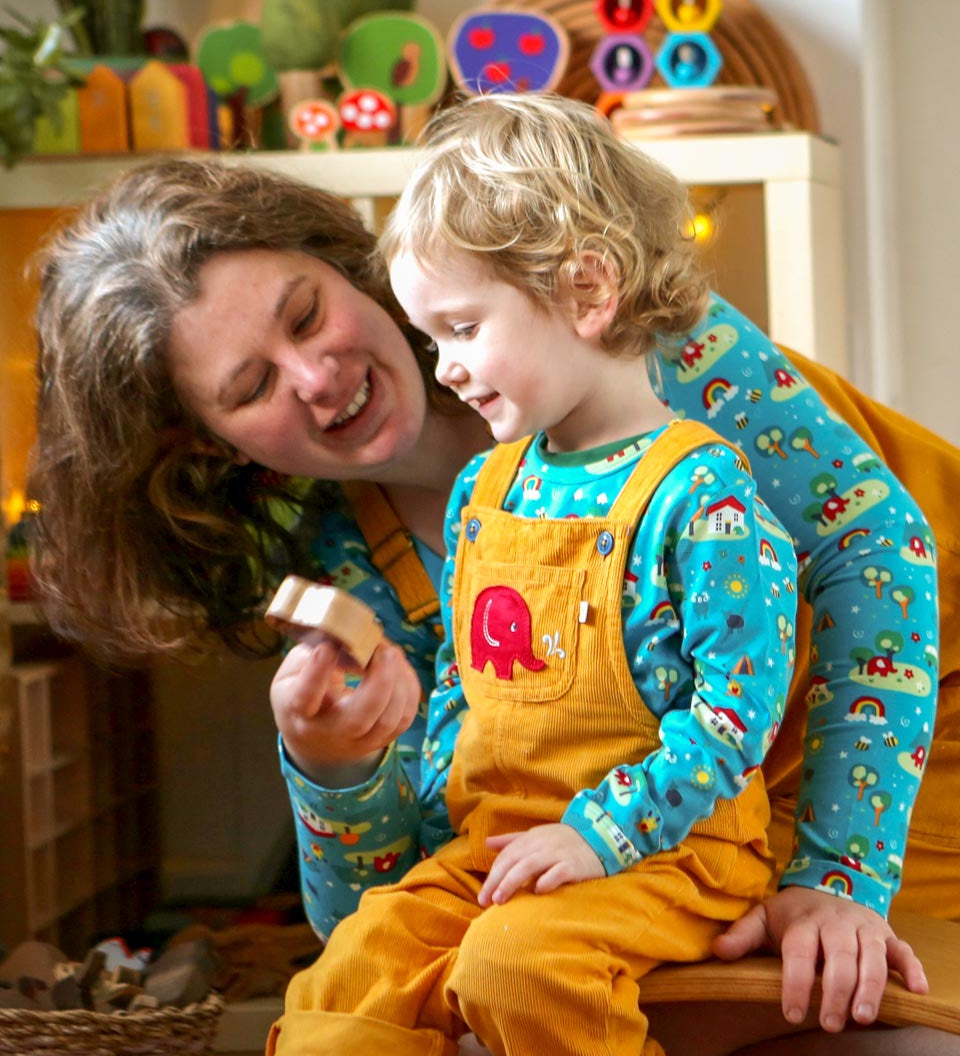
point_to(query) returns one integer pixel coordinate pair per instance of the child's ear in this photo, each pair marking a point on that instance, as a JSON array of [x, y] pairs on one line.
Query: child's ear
[[595, 294]]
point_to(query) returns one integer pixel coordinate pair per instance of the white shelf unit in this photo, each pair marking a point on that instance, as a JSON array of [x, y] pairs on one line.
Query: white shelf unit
[[799, 174]]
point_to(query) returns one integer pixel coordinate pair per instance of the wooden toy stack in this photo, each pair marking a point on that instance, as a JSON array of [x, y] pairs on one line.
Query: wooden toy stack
[[114, 1001], [755, 54], [687, 61]]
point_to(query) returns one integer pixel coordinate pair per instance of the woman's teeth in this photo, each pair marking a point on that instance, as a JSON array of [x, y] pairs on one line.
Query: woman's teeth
[[356, 405]]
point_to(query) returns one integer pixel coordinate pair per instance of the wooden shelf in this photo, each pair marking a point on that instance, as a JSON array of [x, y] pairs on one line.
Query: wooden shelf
[[798, 172], [50, 182], [78, 826]]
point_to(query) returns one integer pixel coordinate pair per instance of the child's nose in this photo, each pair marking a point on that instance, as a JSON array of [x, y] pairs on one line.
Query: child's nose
[[450, 371]]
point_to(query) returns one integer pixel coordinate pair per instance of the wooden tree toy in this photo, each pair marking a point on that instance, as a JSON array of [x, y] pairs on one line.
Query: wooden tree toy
[[231, 59], [301, 39], [305, 34], [490, 50], [402, 57]]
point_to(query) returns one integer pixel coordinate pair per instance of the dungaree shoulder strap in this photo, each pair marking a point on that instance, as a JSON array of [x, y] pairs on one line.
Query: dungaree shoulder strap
[[497, 473], [676, 442]]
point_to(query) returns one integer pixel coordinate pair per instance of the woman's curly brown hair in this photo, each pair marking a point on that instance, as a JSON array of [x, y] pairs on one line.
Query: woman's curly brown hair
[[144, 536]]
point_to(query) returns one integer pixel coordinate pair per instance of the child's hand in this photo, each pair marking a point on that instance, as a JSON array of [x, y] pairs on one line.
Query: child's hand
[[551, 855], [335, 734]]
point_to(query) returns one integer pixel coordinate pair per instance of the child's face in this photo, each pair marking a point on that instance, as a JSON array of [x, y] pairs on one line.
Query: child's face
[[520, 365]]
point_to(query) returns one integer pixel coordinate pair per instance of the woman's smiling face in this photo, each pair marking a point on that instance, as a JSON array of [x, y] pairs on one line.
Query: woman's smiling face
[[282, 357]]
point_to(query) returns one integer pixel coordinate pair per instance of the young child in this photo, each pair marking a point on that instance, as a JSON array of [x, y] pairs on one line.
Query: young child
[[619, 618]]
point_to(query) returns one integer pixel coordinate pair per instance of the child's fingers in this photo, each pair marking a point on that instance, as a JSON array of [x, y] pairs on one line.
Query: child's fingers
[[556, 876], [497, 843], [519, 875]]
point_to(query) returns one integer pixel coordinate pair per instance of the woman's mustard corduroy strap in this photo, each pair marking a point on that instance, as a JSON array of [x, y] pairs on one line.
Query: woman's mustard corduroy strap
[[392, 550]]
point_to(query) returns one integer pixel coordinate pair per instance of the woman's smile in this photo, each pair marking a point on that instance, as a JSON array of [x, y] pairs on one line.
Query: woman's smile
[[356, 405]]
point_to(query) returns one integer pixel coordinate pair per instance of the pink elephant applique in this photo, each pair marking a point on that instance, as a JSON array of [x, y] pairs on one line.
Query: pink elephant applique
[[500, 632]]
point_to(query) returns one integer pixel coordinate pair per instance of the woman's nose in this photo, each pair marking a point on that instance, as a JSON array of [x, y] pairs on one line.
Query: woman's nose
[[315, 380], [449, 371]]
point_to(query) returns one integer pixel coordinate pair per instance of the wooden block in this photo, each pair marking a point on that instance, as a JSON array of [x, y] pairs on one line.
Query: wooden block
[[67, 993], [12, 998], [158, 109], [37, 990], [102, 113], [121, 995], [48, 139], [92, 968], [142, 1002], [31, 960], [125, 975], [183, 974], [310, 612], [116, 953], [198, 104], [180, 985]]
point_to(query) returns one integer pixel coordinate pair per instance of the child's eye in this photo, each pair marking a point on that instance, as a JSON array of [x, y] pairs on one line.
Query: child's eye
[[465, 331], [431, 346]]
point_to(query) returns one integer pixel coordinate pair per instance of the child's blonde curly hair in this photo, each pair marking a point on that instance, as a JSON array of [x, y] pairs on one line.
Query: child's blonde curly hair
[[532, 183]]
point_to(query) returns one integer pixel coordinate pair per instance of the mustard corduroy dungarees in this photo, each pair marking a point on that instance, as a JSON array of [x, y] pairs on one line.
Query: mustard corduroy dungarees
[[421, 963]]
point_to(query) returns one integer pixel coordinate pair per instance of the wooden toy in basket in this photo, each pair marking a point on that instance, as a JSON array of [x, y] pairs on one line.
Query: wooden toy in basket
[[111, 1002]]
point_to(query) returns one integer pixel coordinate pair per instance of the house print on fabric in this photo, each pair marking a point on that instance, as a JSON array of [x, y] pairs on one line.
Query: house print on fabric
[[725, 516]]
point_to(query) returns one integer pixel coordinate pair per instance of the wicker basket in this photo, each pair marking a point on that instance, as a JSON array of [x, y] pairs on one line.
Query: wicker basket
[[152, 1032]]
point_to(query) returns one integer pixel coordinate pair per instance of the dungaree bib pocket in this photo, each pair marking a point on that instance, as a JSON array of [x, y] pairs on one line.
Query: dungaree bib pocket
[[521, 625]]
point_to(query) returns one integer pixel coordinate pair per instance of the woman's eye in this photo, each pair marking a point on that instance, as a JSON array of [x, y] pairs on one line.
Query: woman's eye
[[463, 332], [305, 321], [257, 393], [431, 346]]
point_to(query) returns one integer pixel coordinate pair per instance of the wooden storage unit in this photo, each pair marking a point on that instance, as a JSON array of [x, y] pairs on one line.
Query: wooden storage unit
[[78, 824]]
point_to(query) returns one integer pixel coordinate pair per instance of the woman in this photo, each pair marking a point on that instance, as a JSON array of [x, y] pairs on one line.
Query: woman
[[219, 345]]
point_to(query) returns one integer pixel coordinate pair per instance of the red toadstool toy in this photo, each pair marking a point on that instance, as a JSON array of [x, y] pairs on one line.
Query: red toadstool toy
[[367, 117]]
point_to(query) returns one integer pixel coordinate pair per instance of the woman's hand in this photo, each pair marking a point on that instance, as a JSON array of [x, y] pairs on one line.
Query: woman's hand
[[857, 947], [334, 734], [550, 855]]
